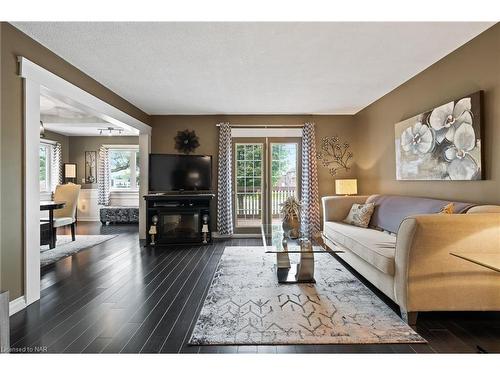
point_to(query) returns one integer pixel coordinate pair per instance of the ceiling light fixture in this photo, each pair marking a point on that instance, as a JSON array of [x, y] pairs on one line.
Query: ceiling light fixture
[[110, 131]]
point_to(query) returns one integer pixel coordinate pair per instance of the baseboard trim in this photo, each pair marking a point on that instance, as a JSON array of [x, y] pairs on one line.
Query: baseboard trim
[[4, 322], [17, 305], [88, 219]]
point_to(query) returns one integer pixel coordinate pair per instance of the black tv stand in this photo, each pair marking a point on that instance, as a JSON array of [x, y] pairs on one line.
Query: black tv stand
[[181, 218]]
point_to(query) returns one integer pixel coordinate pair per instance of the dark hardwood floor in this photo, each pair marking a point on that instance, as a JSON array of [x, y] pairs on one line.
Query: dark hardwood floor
[[119, 297]]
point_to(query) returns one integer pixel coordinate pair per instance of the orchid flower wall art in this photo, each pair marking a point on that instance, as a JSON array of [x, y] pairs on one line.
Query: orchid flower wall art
[[443, 143]]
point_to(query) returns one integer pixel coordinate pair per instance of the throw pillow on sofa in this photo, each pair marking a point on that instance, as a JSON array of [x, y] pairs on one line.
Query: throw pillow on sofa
[[360, 215], [448, 209]]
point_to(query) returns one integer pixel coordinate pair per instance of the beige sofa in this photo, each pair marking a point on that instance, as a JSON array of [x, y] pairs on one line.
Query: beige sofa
[[406, 251]]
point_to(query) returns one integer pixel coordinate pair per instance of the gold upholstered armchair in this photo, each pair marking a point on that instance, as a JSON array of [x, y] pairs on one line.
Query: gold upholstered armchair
[[69, 194]]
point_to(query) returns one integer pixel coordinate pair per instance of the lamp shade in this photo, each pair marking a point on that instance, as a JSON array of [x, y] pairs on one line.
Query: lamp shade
[[70, 170], [346, 186]]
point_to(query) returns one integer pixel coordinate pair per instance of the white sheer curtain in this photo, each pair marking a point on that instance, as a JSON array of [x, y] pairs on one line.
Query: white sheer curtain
[[309, 218], [224, 184], [103, 180]]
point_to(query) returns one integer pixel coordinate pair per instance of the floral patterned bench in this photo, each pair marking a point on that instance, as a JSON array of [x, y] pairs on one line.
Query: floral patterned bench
[[112, 214]]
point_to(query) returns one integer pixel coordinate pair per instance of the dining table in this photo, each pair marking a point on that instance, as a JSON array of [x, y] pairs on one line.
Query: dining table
[[51, 206]]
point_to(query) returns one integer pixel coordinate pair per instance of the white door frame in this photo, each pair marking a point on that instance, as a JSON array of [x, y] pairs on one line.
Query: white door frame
[[37, 80]]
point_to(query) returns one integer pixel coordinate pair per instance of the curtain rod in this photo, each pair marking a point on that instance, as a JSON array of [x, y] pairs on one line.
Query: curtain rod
[[263, 126], [121, 146], [47, 141]]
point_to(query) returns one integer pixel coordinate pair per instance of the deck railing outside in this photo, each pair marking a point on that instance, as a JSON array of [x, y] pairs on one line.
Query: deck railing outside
[[249, 204]]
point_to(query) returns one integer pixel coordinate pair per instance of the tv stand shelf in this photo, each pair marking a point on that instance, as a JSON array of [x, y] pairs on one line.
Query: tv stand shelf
[[181, 218]]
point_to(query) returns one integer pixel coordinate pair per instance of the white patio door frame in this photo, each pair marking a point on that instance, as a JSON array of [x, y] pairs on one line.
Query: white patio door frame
[[37, 80], [270, 134]]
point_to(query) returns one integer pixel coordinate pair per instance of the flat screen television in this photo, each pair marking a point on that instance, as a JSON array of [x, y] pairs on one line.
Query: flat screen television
[[169, 173]]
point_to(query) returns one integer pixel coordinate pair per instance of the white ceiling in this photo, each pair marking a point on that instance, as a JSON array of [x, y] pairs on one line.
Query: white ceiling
[[252, 68], [60, 117]]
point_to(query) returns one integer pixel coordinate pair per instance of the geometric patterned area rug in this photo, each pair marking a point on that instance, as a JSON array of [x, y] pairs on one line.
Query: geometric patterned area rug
[[65, 247], [246, 305]]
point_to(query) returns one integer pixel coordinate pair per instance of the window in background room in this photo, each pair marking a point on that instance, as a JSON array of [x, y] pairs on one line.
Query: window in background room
[[45, 161], [124, 169]]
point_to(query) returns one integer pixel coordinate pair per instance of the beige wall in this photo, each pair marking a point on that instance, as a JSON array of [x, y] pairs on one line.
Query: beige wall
[[13, 44], [475, 66], [1, 212], [63, 140], [165, 128], [78, 146]]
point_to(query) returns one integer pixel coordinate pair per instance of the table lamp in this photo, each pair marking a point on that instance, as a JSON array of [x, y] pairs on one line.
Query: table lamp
[[69, 172], [346, 186]]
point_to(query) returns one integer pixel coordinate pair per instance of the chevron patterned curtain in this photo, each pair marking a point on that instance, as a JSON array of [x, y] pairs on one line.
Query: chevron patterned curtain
[[103, 177], [224, 185], [56, 170], [309, 218]]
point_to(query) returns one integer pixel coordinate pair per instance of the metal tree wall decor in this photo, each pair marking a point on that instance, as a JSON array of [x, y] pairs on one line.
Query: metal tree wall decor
[[334, 154], [90, 167], [186, 141]]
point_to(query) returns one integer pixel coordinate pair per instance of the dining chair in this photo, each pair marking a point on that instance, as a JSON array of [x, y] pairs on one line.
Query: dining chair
[[69, 194]]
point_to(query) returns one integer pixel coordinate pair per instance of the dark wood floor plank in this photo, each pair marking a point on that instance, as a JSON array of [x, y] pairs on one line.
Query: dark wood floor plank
[[153, 289], [134, 308], [182, 328], [227, 349], [134, 305], [402, 349], [120, 285], [69, 316], [476, 335], [88, 261], [105, 269], [67, 338], [150, 318], [208, 349], [177, 308], [422, 348], [71, 307], [247, 349], [105, 323], [157, 289], [266, 349], [97, 345], [121, 338], [286, 349], [78, 294], [119, 296], [186, 327]]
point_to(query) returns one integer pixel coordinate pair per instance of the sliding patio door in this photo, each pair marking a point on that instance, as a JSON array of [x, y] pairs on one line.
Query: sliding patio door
[[249, 184], [284, 182], [266, 173]]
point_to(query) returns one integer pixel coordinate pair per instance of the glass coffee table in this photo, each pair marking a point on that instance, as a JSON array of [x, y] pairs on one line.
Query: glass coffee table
[[277, 242]]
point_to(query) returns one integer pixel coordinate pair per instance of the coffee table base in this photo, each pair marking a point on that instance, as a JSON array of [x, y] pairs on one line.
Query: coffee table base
[[293, 275]]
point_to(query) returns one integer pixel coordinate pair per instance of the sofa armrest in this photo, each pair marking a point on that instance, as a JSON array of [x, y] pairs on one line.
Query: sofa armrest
[[428, 278], [336, 208]]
